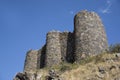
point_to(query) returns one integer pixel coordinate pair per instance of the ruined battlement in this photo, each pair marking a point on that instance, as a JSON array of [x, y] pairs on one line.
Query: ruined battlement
[[88, 38], [31, 60]]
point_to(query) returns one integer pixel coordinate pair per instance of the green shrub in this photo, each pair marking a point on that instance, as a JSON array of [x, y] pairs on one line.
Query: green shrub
[[114, 48]]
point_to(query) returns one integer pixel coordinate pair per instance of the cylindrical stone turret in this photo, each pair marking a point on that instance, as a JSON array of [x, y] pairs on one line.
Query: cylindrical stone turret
[[90, 36], [53, 49], [31, 61]]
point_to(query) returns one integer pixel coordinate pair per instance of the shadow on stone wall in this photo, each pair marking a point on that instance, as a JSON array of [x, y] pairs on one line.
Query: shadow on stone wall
[[42, 57], [70, 48]]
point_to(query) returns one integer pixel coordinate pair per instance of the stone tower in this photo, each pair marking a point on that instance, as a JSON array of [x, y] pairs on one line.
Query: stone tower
[[53, 48], [87, 39], [89, 33], [31, 62]]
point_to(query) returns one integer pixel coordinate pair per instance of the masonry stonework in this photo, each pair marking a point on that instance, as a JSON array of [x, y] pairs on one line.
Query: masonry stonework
[[31, 61], [67, 47], [87, 39], [53, 48], [90, 37], [41, 57]]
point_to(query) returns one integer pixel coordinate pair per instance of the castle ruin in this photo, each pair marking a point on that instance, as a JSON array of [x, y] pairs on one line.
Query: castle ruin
[[88, 38]]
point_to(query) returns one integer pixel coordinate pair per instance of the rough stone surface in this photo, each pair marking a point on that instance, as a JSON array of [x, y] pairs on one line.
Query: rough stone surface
[[41, 57], [21, 76], [67, 47], [90, 36], [53, 75], [31, 61], [118, 55], [87, 39], [53, 49], [89, 71]]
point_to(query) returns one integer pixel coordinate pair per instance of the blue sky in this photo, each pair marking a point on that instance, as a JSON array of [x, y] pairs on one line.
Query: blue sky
[[24, 24]]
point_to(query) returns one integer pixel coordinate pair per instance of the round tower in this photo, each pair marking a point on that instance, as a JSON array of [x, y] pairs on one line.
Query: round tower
[[31, 61], [89, 33], [53, 49]]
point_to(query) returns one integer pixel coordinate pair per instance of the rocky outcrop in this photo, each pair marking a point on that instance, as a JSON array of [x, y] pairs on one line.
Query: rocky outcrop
[[53, 75], [21, 76]]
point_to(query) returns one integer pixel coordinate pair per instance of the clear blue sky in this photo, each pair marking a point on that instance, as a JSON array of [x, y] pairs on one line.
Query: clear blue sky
[[24, 24]]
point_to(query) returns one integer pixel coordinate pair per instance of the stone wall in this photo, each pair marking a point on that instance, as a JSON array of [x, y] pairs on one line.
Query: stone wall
[[90, 37], [53, 49], [67, 46], [31, 61], [41, 57]]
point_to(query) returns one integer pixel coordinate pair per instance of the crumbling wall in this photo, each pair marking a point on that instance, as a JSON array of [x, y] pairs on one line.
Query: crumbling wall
[[90, 37], [67, 44], [31, 61], [53, 49], [41, 57]]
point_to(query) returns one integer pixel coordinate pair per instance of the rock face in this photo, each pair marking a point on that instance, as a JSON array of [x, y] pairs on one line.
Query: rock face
[[21, 76], [88, 38]]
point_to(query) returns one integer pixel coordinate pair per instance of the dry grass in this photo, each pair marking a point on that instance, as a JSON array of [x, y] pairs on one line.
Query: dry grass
[[87, 69]]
